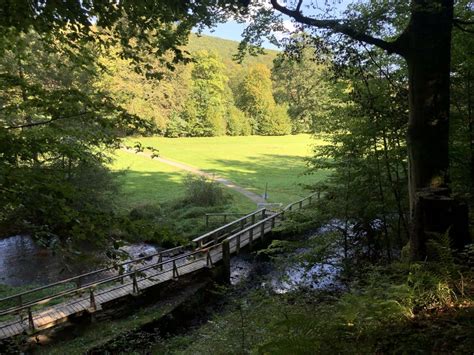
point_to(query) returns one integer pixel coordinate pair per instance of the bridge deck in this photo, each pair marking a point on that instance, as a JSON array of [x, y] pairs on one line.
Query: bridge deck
[[191, 262], [149, 271]]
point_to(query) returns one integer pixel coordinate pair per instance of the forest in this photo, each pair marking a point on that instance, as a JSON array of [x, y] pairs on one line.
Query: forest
[[367, 105]]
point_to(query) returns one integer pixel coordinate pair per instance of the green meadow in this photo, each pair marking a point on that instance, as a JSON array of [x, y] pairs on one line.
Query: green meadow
[[251, 162], [146, 181]]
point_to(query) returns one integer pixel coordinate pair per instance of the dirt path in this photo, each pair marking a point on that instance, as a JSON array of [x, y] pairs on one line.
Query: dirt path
[[249, 194]]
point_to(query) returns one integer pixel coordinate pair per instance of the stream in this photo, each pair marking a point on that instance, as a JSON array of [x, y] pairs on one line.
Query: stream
[[23, 262]]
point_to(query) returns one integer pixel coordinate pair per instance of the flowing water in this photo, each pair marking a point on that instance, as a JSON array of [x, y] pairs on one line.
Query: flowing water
[[23, 262]]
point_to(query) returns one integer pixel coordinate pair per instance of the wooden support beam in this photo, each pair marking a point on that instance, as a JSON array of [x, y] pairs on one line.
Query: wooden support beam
[[160, 260], [251, 238], [226, 260]]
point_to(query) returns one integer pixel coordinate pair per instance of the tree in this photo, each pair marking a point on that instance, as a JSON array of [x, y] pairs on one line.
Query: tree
[[55, 130], [365, 156], [301, 82], [148, 98], [206, 109], [424, 41], [420, 32], [255, 98]]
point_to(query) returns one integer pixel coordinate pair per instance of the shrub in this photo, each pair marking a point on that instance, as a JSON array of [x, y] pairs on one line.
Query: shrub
[[202, 191]]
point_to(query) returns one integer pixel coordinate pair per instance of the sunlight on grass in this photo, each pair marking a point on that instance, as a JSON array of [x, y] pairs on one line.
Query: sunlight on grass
[[148, 181], [250, 162]]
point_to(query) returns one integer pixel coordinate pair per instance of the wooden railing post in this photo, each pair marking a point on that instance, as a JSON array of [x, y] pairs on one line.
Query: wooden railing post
[[250, 238], [31, 323], [309, 199], [262, 229], [273, 222], [135, 283], [237, 247], [242, 224], [207, 220], [208, 259], [283, 215], [92, 299], [121, 273], [20, 301], [175, 270], [78, 282], [263, 213], [253, 219], [301, 204], [160, 260]]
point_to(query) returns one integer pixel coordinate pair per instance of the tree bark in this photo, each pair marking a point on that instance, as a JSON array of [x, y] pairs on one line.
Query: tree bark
[[427, 50], [428, 54]]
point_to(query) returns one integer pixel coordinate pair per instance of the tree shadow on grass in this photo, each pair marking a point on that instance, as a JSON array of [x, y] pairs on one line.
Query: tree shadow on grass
[[286, 175], [148, 187]]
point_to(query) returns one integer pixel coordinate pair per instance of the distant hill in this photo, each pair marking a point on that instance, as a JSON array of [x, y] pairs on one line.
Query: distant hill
[[226, 50]]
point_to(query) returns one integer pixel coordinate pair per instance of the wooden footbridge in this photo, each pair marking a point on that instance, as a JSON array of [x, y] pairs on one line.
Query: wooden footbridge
[[46, 306]]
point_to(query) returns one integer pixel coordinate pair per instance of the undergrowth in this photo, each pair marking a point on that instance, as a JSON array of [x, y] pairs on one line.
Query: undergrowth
[[400, 308], [175, 222]]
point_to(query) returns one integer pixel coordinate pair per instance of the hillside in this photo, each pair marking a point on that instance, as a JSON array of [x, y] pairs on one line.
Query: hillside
[[226, 49]]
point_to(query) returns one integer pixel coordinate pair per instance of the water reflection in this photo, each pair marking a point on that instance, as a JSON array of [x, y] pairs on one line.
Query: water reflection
[[23, 262]]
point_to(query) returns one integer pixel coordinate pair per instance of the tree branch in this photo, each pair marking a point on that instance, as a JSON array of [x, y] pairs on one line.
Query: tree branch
[[339, 27], [33, 124], [457, 25], [298, 7], [463, 22]]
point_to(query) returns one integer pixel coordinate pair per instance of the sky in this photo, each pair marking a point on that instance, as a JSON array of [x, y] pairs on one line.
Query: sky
[[233, 30]]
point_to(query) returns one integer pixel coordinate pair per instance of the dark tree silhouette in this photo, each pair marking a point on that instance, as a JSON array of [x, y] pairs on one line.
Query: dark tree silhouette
[[425, 44]]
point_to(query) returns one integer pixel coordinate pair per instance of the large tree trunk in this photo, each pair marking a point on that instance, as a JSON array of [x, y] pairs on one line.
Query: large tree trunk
[[428, 54]]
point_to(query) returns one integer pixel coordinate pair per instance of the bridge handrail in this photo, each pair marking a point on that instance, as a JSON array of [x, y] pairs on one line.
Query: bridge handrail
[[289, 207], [78, 277], [134, 273], [253, 226], [199, 240], [273, 216], [103, 281]]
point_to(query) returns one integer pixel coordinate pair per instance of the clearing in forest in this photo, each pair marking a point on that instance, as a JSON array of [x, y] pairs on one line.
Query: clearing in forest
[[251, 162]]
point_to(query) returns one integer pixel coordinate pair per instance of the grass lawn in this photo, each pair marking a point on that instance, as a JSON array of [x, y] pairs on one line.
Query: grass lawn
[[147, 181], [251, 162]]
